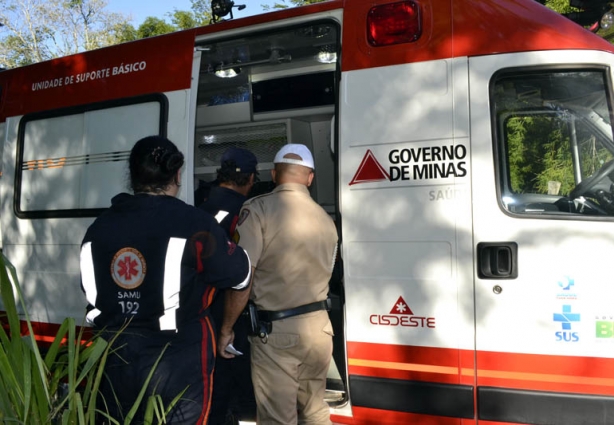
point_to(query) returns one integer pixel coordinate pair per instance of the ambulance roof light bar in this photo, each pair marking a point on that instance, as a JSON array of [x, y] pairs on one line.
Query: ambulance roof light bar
[[394, 23]]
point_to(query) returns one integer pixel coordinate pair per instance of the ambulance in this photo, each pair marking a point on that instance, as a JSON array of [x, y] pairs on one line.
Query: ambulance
[[464, 148]]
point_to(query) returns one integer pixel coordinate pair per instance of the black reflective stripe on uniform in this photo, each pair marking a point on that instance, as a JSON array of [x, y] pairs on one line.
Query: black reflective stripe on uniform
[[426, 398], [543, 407]]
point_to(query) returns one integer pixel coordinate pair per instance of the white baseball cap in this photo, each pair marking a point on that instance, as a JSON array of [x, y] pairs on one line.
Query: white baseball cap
[[302, 151]]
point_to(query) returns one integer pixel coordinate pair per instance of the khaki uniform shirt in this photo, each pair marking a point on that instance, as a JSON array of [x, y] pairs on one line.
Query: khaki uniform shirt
[[292, 243]]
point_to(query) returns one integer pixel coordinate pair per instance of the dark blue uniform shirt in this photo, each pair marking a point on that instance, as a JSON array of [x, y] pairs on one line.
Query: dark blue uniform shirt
[[155, 262], [156, 256], [232, 386], [224, 203]]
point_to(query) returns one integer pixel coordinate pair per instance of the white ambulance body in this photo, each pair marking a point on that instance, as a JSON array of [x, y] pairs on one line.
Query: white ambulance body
[[464, 149]]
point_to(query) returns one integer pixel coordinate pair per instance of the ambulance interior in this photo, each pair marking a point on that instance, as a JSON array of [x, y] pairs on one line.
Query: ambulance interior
[[260, 91]]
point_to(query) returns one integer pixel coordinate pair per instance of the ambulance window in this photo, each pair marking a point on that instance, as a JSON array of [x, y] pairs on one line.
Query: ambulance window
[[71, 162], [555, 142]]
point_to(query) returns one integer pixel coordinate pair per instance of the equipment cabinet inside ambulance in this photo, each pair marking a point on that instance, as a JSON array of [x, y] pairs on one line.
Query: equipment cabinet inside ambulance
[[464, 149]]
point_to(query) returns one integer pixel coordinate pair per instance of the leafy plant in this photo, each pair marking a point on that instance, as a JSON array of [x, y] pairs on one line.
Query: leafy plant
[[61, 387]]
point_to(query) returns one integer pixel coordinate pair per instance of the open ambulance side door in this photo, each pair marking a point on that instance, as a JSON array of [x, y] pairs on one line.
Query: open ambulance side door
[[405, 204]]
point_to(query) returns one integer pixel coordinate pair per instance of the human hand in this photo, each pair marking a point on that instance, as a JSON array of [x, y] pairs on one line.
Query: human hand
[[232, 350], [224, 340]]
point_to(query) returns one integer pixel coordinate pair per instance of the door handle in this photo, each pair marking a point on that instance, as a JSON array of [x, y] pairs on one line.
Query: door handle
[[497, 260]]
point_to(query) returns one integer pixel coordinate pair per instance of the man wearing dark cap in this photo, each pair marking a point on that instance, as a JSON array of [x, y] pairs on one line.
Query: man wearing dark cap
[[233, 395], [236, 176]]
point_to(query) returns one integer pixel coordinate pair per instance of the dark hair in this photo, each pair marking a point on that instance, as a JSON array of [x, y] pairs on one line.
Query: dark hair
[[154, 162], [228, 174]]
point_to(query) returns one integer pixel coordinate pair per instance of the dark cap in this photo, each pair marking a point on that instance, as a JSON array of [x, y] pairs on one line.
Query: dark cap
[[242, 160]]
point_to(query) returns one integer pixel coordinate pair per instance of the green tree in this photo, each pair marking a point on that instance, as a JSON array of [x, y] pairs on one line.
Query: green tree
[[199, 15], [154, 26], [202, 11], [184, 20], [563, 7], [292, 3], [37, 30], [125, 32], [559, 6], [539, 152]]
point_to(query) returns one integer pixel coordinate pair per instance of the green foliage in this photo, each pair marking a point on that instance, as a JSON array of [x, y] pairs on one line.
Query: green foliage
[[17, 52], [154, 26], [37, 30], [184, 20], [61, 387], [201, 9], [292, 3], [539, 151], [556, 163], [560, 6], [125, 32], [199, 15]]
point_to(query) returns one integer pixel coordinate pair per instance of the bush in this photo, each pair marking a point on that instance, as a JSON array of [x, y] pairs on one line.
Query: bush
[[61, 387]]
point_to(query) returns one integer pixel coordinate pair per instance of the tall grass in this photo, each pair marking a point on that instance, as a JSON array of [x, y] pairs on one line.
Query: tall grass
[[60, 387]]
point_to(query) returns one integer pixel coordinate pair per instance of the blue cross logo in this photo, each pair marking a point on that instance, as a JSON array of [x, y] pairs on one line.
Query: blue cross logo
[[566, 317], [566, 283]]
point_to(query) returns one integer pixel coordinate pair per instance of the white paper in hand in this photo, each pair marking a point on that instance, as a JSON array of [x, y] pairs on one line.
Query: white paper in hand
[[230, 349]]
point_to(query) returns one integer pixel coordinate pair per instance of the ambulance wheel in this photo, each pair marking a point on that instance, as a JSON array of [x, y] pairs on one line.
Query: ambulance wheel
[[584, 187]]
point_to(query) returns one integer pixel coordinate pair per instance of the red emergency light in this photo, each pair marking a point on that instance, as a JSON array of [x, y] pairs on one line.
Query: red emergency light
[[394, 23]]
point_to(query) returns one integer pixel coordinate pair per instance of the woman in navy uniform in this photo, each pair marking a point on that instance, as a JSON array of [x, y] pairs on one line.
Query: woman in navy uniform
[[153, 264]]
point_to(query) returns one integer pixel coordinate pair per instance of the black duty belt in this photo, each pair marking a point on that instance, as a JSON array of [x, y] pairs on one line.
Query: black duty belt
[[271, 316]]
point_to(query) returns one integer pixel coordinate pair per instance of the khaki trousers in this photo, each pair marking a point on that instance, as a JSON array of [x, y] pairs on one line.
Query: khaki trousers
[[289, 371]]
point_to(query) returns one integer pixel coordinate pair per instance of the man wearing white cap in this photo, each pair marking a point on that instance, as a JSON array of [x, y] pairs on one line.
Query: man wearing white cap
[[292, 243]]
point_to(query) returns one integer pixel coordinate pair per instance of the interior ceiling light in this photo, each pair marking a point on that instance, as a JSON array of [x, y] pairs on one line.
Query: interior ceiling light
[[327, 57], [276, 57], [208, 139], [228, 72], [327, 54]]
